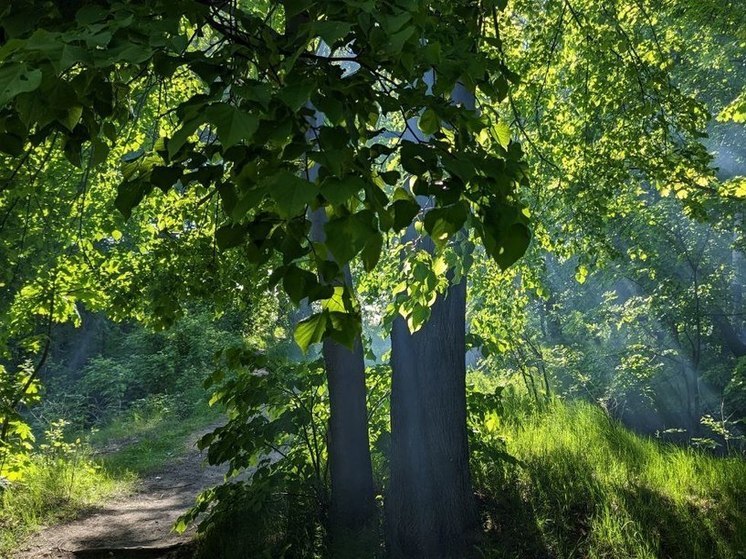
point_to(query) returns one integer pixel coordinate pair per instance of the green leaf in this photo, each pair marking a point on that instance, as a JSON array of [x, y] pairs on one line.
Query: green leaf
[[129, 195], [397, 41], [296, 95], [429, 122], [310, 331], [291, 193], [501, 133], [15, 79], [506, 247], [233, 124], [339, 191], [442, 223], [230, 236], [404, 212], [418, 317], [298, 283], [295, 7], [391, 177], [72, 117], [180, 137], [11, 144], [417, 159], [165, 177], [347, 236], [332, 31], [371, 254], [344, 328]]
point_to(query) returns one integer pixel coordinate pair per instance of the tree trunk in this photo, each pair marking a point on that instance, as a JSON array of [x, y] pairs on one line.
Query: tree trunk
[[353, 493], [430, 506], [352, 526]]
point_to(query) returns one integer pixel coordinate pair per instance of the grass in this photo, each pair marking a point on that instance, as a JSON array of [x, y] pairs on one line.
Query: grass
[[53, 489], [149, 438], [58, 484], [589, 488]]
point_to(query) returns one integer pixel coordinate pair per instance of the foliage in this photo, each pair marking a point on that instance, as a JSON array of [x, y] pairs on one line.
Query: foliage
[[216, 128], [236, 82], [275, 445], [276, 434], [16, 437]]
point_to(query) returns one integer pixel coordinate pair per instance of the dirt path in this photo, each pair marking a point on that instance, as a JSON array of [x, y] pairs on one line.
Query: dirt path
[[135, 526]]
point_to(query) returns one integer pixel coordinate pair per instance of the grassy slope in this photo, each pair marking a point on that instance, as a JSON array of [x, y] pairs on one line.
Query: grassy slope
[[590, 488], [152, 439], [55, 490]]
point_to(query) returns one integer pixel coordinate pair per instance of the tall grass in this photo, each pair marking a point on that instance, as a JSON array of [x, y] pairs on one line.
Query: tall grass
[[56, 485], [588, 487]]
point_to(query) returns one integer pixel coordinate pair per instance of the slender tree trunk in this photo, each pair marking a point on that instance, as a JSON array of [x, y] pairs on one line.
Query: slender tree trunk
[[353, 509], [353, 493]]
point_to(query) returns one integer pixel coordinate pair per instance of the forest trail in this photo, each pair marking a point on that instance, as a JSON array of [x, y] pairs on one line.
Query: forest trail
[[137, 525]]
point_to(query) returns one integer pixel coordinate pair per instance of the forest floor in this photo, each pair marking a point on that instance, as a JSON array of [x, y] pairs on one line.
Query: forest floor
[[138, 525]]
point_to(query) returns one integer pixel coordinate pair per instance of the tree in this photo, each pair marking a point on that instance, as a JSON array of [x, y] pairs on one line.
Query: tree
[[234, 82], [431, 511]]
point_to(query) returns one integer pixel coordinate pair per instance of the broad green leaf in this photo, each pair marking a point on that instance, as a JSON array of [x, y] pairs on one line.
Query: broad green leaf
[[298, 283], [291, 193], [310, 331], [506, 246], [347, 236], [501, 133], [397, 40], [442, 223], [165, 177], [233, 124], [429, 122], [404, 212], [332, 31], [16, 78], [340, 191], [129, 195], [344, 328], [418, 317], [371, 254], [180, 137], [230, 236]]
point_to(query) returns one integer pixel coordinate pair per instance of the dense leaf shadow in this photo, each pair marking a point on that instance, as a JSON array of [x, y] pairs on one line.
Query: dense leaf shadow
[[511, 526], [178, 551]]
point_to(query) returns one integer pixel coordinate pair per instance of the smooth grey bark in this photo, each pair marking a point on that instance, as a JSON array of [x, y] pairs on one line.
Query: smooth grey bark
[[353, 506], [353, 493], [430, 505]]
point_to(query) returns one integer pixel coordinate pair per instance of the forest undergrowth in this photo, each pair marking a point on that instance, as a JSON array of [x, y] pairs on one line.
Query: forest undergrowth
[[585, 486], [561, 480], [72, 472]]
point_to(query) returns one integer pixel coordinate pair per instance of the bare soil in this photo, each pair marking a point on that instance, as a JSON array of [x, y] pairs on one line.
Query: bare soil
[[136, 526]]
